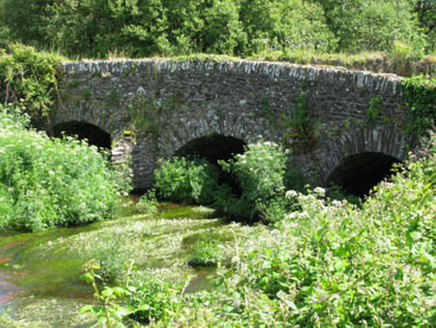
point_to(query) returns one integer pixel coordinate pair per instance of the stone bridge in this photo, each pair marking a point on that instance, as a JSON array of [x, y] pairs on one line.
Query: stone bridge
[[342, 126]]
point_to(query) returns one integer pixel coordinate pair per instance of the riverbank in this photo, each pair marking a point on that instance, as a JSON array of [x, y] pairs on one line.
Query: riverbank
[[39, 276]]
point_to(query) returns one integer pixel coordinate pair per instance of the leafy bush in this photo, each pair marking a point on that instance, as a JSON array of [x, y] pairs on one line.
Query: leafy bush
[[152, 299], [186, 180], [420, 94], [110, 254], [28, 79], [426, 11], [46, 183], [141, 298], [285, 25], [148, 203], [277, 209], [260, 174], [141, 28], [206, 253]]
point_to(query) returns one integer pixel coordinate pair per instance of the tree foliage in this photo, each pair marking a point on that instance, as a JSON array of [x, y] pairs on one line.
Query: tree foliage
[[28, 79], [362, 25], [97, 28]]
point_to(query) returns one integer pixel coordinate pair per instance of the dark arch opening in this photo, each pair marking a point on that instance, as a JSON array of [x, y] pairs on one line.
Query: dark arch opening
[[358, 174], [92, 133], [213, 147]]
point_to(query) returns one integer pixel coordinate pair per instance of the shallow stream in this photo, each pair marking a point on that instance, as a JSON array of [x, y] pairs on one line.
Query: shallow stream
[[39, 281]]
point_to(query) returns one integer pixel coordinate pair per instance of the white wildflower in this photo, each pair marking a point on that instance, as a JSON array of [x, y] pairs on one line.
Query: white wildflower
[[236, 259], [291, 194], [303, 215], [292, 215], [319, 191]]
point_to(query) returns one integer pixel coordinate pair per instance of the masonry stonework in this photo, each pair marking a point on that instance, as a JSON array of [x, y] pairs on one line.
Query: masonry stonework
[[168, 103]]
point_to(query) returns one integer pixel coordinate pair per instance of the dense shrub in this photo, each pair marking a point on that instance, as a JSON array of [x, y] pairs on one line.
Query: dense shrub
[[153, 298], [28, 79], [285, 25], [420, 94], [258, 176], [186, 180], [165, 27], [426, 10], [334, 265], [46, 183], [260, 173]]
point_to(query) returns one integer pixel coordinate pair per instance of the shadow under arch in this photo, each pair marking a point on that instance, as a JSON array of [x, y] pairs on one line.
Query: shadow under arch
[[358, 174], [212, 147], [82, 130]]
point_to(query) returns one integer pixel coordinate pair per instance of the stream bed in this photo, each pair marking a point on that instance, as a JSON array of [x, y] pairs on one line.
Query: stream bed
[[39, 272]]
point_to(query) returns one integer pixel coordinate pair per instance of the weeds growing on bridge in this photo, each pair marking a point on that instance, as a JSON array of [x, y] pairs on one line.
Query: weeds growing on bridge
[[420, 94]]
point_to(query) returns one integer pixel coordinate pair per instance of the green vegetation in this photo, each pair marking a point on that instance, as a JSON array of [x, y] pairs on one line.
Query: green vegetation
[[316, 262], [46, 183], [300, 124], [325, 263], [420, 94], [259, 173], [186, 180], [363, 25], [426, 10], [148, 203], [141, 28], [373, 111], [329, 264], [258, 178], [29, 79], [206, 253]]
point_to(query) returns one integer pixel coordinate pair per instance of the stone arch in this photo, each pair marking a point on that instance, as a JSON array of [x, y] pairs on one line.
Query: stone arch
[[368, 150], [183, 127], [358, 174], [212, 147], [82, 130]]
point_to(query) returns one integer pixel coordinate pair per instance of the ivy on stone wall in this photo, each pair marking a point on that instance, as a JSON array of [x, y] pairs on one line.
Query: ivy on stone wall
[[301, 125], [144, 115], [420, 95], [29, 79]]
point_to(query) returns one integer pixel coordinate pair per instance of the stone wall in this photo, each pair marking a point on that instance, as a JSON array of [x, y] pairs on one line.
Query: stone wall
[[382, 64], [168, 103]]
